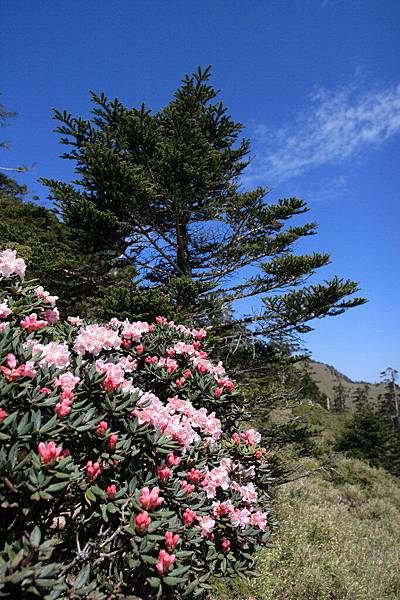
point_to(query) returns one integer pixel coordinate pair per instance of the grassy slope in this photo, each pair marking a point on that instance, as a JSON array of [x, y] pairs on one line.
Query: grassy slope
[[339, 539]]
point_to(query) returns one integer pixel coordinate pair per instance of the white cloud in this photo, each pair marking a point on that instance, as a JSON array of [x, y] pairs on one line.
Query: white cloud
[[336, 126]]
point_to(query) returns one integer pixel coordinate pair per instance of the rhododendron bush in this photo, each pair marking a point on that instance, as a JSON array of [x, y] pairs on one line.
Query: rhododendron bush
[[122, 472]]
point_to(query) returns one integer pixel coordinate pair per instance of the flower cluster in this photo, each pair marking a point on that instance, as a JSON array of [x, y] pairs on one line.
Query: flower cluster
[[117, 448]]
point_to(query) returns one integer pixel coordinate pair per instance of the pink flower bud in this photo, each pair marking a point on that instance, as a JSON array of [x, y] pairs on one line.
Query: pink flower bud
[[93, 470], [218, 392], [112, 440], [63, 408], [102, 428], [226, 545], [173, 460], [189, 516], [150, 499], [188, 487], [11, 360], [142, 521], [140, 349], [45, 390], [165, 561], [49, 452], [195, 475], [111, 490], [161, 320], [164, 473], [171, 540], [3, 414]]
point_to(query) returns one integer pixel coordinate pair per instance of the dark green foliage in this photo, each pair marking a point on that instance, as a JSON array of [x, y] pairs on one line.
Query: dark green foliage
[[40, 238], [340, 397], [369, 436], [360, 398], [391, 397], [162, 190]]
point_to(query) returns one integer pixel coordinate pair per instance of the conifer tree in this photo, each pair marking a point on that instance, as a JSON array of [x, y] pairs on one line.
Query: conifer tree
[[391, 396], [360, 397], [340, 397], [163, 191]]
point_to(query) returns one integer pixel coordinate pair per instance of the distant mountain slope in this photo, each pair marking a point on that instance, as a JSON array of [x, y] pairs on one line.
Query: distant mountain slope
[[327, 377]]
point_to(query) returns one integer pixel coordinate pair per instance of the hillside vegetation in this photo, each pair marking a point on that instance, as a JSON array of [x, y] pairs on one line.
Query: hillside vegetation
[[327, 378]]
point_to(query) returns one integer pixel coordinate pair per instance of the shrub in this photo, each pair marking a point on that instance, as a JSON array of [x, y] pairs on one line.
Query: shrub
[[122, 475]]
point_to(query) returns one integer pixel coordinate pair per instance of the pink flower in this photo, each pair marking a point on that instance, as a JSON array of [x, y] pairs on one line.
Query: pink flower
[[111, 490], [114, 374], [150, 499], [112, 440], [142, 521], [45, 390], [241, 517], [164, 473], [189, 516], [10, 264], [67, 381], [95, 338], [248, 492], [151, 360], [134, 331], [236, 438], [49, 452], [93, 470], [171, 540], [41, 293], [14, 373], [173, 460], [218, 392], [226, 545], [259, 519], [4, 310], [31, 323], [251, 437], [165, 562], [67, 395], [217, 477], [200, 334], [76, 321], [195, 475], [161, 320], [51, 315], [126, 344], [3, 414], [54, 354], [63, 408], [207, 525], [102, 428], [221, 509], [188, 487], [11, 360]]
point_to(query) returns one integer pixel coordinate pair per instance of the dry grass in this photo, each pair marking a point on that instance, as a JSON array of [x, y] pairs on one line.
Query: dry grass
[[339, 539]]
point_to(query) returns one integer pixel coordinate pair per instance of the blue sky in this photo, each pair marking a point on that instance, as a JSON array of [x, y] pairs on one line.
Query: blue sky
[[316, 82]]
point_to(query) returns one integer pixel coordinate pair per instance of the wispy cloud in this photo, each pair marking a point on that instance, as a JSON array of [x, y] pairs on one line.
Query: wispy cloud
[[336, 126]]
